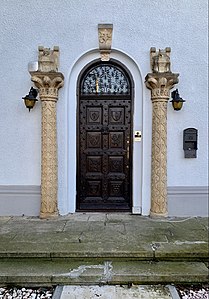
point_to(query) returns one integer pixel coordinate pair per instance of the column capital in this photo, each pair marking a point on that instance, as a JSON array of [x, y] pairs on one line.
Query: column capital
[[48, 84], [160, 85]]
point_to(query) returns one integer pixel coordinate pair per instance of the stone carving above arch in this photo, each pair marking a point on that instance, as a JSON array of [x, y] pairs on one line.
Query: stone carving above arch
[[105, 40]]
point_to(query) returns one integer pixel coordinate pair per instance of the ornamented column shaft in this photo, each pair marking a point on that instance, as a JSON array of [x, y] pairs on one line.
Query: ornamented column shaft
[[48, 81], [160, 82]]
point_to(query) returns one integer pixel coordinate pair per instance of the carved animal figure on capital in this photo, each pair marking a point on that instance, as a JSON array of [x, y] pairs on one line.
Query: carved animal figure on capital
[[160, 61], [48, 59]]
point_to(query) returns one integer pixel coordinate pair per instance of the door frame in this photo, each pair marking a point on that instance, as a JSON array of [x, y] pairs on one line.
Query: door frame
[[67, 136], [84, 71]]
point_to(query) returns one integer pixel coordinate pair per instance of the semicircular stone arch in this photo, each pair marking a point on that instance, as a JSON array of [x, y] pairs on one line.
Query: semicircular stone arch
[[141, 150]]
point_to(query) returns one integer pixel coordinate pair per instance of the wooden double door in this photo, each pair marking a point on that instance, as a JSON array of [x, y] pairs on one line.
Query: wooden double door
[[104, 158]]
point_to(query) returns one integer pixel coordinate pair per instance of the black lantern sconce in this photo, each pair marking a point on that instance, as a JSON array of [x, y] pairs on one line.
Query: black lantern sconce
[[177, 101], [30, 99]]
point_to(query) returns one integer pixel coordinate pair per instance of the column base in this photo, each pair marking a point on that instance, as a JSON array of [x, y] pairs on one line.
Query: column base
[[48, 215], [158, 215]]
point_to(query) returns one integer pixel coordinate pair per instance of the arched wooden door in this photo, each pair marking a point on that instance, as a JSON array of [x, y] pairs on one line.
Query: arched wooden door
[[104, 138]]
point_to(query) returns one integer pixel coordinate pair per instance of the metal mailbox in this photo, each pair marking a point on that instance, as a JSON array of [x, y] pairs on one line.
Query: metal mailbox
[[190, 143]]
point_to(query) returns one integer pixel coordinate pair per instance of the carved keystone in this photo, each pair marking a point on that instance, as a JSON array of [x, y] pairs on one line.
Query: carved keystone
[[105, 40]]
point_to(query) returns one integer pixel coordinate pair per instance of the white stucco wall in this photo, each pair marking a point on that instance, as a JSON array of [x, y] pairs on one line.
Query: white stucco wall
[[72, 25]]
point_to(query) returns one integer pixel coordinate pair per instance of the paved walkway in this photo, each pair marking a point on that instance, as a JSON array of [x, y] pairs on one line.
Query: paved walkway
[[103, 248], [116, 292]]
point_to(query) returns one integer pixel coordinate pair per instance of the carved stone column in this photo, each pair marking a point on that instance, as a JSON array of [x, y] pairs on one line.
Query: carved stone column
[[160, 82], [48, 81]]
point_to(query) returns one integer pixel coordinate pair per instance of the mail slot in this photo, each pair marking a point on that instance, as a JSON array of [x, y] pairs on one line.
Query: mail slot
[[190, 143]]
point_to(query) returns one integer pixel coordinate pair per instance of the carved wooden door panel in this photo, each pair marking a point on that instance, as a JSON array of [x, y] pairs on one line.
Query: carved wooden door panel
[[104, 137]]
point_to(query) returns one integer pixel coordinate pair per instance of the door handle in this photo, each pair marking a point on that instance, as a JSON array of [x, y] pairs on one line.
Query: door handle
[[127, 149]]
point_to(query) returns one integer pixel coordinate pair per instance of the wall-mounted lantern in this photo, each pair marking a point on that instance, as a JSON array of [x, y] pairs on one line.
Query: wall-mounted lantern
[[177, 101], [30, 99]]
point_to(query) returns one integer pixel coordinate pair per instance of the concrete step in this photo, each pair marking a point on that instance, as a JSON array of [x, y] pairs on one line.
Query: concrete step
[[67, 272], [117, 291]]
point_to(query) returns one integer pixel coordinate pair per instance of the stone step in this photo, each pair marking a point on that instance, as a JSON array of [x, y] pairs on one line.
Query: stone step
[[182, 251], [66, 272]]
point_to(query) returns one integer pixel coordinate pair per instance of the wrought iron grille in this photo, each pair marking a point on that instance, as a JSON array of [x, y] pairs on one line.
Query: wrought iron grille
[[105, 79]]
